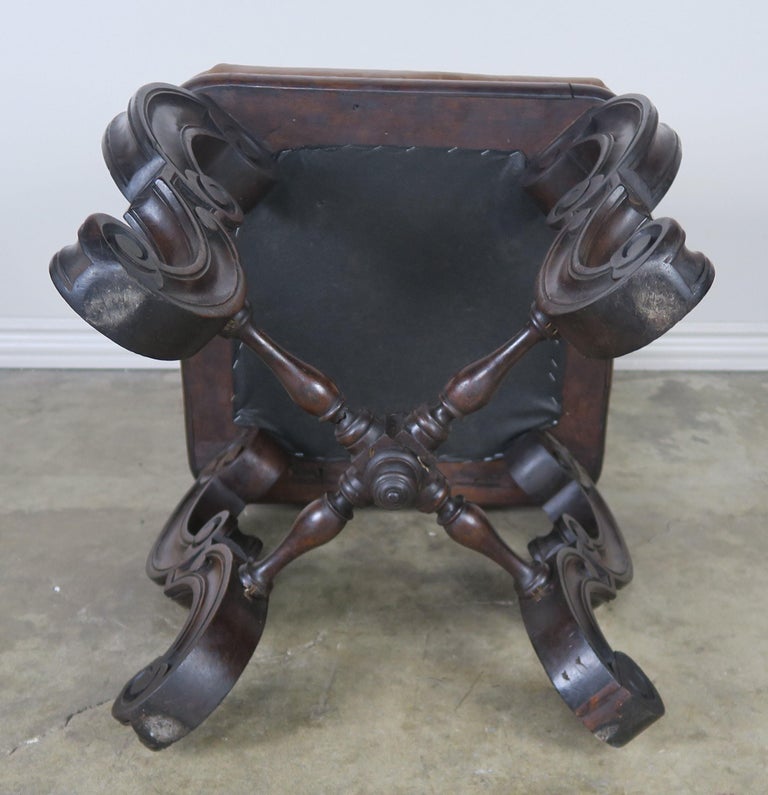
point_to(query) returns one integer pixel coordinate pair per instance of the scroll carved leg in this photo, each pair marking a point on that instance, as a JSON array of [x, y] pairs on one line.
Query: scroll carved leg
[[588, 561], [196, 558], [176, 692]]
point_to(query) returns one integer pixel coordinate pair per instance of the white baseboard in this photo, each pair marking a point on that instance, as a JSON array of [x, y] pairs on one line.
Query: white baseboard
[[69, 343], [704, 346], [65, 343]]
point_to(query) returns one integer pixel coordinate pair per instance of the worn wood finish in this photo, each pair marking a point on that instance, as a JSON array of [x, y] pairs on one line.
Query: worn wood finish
[[196, 560], [615, 279], [588, 562], [169, 280]]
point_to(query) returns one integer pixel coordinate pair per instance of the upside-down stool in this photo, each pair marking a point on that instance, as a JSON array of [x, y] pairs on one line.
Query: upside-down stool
[[295, 233]]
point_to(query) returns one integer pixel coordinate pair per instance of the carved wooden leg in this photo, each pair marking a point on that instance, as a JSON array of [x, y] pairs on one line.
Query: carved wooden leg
[[196, 558], [588, 561], [176, 693]]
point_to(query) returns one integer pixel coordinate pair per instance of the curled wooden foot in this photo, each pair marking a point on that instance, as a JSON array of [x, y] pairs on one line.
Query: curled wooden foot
[[588, 562], [176, 692], [168, 280], [606, 690], [196, 558], [614, 279]]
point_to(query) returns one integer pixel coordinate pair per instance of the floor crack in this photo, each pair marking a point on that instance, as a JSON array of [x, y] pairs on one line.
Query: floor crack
[[666, 530], [471, 688], [321, 708], [40, 737], [84, 709]]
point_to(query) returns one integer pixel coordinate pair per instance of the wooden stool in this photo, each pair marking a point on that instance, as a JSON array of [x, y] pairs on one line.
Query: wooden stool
[[389, 228]]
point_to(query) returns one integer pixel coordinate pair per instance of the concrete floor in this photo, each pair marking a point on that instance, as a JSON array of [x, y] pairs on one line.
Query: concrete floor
[[394, 661]]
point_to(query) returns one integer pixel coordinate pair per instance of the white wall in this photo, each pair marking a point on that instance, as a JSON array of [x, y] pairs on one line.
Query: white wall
[[70, 67]]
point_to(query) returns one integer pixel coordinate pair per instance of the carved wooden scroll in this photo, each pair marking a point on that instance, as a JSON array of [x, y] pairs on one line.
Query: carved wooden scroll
[[589, 562], [168, 280], [196, 559], [614, 279]]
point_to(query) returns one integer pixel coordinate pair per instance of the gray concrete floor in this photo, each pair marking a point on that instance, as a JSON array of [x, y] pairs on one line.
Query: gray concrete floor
[[393, 661]]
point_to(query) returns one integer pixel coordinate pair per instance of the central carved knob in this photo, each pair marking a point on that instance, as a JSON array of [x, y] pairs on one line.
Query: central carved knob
[[395, 484]]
